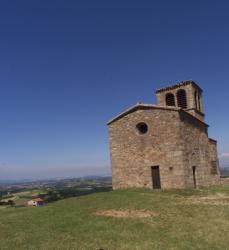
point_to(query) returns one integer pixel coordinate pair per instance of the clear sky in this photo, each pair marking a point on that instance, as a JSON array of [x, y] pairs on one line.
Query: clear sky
[[67, 67]]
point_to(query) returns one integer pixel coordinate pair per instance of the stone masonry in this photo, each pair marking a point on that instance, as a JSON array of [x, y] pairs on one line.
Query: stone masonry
[[164, 145]]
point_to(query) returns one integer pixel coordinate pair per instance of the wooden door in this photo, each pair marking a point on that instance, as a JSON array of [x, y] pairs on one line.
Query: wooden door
[[156, 177], [194, 176]]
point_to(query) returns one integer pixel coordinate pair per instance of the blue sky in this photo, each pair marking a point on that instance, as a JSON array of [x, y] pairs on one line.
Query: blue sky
[[66, 67]]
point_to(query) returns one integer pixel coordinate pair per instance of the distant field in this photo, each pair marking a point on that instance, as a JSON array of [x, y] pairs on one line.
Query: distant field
[[125, 219], [29, 193]]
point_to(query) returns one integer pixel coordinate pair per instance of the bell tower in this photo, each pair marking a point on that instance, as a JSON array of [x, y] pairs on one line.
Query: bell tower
[[186, 95]]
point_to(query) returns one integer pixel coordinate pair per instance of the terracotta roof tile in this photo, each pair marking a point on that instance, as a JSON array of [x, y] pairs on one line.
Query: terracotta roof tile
[[38, 200]]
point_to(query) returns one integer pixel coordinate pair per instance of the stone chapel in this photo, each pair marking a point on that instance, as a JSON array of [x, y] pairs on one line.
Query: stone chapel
[[164, 145]]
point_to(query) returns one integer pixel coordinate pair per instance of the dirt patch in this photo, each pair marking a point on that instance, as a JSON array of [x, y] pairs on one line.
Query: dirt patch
[[127, 213], [216, 199]]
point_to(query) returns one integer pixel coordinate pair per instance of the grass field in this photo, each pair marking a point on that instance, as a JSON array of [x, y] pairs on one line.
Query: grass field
[[30, 193], [124, 219]]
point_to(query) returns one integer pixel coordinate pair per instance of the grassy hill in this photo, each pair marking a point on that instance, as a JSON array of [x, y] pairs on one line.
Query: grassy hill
[[123, 219]]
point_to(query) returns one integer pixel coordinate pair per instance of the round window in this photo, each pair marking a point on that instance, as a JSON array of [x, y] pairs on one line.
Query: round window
[[142, 128]]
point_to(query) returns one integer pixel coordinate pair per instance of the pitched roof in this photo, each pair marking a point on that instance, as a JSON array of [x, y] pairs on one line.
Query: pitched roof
[[151, 106], [141, 106], [212, 140], [38, 200]]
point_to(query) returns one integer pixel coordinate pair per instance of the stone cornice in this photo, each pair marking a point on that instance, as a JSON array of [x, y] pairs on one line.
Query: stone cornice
[[177, 85]]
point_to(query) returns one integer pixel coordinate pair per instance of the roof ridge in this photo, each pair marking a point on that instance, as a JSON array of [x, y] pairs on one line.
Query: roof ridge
[[141, 105], [151, 106]]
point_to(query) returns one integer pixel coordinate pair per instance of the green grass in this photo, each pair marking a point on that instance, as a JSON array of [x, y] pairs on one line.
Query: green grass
[[186, 220]]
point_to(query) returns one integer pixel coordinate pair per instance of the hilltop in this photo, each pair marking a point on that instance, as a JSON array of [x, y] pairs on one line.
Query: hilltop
[[123, 219], [19, 193]]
